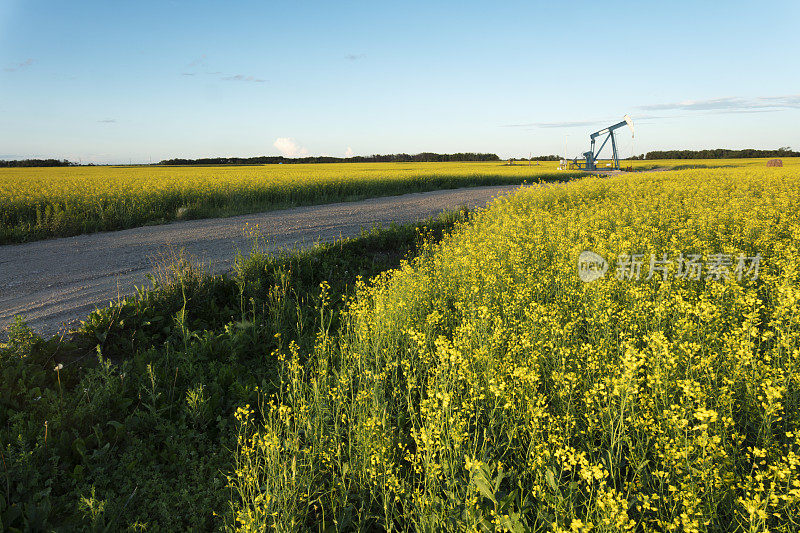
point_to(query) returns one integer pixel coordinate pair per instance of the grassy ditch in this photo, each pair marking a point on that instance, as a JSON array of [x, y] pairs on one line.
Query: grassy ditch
[[128, 423]]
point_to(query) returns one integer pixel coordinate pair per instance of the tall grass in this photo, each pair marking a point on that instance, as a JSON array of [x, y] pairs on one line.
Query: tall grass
[[127, 424]]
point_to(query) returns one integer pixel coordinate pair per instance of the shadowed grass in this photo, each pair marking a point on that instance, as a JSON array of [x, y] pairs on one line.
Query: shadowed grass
[[135, 429]]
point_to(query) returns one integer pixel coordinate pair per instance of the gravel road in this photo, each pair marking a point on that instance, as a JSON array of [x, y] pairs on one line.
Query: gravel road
[[57, 282]]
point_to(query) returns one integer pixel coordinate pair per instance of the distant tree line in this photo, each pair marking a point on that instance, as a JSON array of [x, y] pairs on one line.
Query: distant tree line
[[389, 158], [719, 153], [36, 163], [537, 158]]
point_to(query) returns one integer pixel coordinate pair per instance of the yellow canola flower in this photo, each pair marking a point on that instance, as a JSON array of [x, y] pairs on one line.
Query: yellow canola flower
[[618, 404]]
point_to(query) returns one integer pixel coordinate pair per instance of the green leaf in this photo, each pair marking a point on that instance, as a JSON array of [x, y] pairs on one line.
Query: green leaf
[[119, 428], [79, 446], [550, 479], [11, 515], [486, 526], [508, 500], [484, 488], [498, 480]]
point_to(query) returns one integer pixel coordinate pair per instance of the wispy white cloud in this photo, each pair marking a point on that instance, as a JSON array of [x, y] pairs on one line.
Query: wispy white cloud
[[108, 121], [19, 66], [568, 124], [201, 65], [289, 147], [198, 62], [349, 152], [792, 100], [242, 77], [732, 104], [711, 106]]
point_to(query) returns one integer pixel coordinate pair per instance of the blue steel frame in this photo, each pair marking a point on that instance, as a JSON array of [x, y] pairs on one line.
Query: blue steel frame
[[591, 155]]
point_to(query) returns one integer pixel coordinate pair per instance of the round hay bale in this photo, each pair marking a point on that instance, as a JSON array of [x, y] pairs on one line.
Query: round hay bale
[[774, 163]]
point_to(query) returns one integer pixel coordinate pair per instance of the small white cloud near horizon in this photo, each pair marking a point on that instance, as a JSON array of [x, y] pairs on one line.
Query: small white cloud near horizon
[[289, 147], [349, 152]]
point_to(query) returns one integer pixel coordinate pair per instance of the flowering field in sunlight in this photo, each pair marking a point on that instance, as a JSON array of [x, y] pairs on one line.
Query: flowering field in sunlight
[[38, 203], [485, 386], [56, 201]]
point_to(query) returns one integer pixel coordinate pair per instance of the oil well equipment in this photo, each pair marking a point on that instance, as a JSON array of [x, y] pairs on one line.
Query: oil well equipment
[[591, 157]]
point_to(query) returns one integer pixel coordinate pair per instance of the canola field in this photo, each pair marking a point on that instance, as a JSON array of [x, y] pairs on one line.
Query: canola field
[[485, 386], [38, 203]]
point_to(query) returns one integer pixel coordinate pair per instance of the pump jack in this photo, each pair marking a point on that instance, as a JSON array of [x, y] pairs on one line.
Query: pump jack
[[591, 156]]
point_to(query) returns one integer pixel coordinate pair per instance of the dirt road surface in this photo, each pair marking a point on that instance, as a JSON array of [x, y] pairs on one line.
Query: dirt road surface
[[56, 283]]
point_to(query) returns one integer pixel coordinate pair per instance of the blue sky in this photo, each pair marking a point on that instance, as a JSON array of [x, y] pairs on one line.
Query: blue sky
[[112, 82]]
